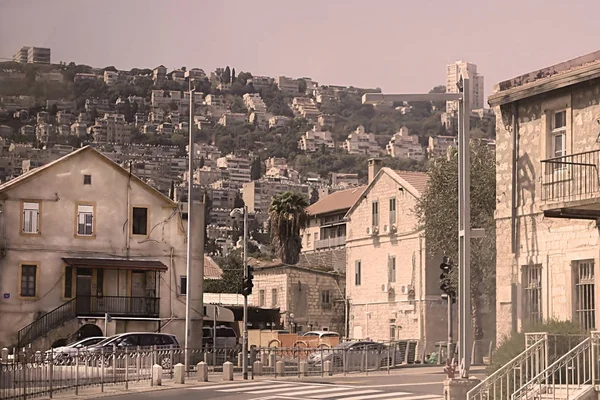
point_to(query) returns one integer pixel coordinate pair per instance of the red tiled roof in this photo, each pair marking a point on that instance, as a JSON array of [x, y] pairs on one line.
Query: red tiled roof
[[211, 269], [336, 201], [418, 180]]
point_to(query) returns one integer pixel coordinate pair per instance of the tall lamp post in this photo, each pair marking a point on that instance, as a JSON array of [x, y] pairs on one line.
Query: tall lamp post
[[236, 212], [465, 233], [188, 294]]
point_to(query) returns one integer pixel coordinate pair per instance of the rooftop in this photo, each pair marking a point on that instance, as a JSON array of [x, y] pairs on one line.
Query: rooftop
[[336, 201], [418, 180]]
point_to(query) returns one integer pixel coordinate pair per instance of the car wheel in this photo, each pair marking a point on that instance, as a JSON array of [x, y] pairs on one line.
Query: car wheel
[[166, 363]]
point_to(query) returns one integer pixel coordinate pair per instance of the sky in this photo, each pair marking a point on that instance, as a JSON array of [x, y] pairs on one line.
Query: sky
[[401, 46]]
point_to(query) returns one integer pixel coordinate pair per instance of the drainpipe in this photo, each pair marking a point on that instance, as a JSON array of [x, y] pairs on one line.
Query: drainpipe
[[513, 210], [127, 222], [422, 297]]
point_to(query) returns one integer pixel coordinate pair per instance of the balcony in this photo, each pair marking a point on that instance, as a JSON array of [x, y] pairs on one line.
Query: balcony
[[118, 306], [330, 242], [571, 186]]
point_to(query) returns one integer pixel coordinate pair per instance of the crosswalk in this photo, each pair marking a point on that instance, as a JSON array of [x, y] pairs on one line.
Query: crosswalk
[[273, 390]]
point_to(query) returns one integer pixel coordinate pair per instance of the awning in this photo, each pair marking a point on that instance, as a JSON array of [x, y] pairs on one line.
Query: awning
[[115, 263]]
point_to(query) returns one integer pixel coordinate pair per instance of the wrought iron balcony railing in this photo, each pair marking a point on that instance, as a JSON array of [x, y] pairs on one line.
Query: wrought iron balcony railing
[[571, 178]]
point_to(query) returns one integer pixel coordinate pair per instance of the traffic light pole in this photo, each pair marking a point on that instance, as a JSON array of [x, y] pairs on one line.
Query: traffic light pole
[[245, 318], [450, 347]]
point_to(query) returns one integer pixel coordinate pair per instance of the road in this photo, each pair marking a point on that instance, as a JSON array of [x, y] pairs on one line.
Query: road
[[403, 384]]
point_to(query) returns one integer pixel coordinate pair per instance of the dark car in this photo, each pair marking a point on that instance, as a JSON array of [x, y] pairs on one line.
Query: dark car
[[133, 341], [354, 355]]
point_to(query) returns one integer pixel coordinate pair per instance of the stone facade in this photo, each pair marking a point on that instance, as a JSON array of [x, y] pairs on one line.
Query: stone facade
[[387, 302], [308, 299], [556, 248]]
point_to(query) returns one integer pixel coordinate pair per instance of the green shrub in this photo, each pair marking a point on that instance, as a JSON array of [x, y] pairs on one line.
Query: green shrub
[[511, 346]]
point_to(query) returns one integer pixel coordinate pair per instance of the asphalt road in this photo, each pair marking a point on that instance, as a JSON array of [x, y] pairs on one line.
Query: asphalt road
[[404, 384]]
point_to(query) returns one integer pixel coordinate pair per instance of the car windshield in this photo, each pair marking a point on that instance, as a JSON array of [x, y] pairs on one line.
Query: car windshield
[[107, 340], [85, 342]]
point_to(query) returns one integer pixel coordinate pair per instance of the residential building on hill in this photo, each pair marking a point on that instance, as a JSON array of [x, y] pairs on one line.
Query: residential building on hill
[[314, 139], [548, 195], [32, 55], [438, 145], [258, 194], [361, 142], [287, 86], [453, 77], [403, 145], [97, 253], [236, 168]]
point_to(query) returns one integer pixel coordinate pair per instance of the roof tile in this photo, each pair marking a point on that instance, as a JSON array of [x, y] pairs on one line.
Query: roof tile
[[336, 201], [418, 180]]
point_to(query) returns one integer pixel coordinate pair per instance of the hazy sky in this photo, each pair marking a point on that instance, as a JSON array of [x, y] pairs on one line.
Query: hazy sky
[[398, 45]]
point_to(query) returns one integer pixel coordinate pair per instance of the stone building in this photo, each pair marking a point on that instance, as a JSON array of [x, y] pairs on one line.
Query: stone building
[[392, 282], [548, 194], [308, 298]]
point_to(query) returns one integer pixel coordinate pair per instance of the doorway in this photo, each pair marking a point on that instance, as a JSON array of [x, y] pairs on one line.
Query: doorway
[[138, 292], [84, 290]]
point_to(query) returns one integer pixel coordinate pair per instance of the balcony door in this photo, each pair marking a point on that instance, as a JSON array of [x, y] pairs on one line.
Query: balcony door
[[84, 291], [138, 292]]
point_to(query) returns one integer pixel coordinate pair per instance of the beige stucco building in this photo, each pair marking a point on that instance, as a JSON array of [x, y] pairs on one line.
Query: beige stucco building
[[83, 237], [548, 194], [392, 284]]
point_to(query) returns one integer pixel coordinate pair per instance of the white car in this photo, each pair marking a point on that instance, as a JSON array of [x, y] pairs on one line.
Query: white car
[[321, 334], [64, 354]]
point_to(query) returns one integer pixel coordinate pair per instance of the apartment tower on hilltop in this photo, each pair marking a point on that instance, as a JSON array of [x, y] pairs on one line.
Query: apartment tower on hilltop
[[453, 75]]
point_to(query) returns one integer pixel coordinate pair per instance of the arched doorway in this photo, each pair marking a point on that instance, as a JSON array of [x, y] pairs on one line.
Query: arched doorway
[[88, 330]]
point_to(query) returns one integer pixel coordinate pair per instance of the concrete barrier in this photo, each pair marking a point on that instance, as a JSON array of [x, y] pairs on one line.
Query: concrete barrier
[[179, 373], [240, 359], [202, 371], [303, 367], [157, 372], [228, 371], [327, 368], [257, 368], [272, 359], [279, 368]]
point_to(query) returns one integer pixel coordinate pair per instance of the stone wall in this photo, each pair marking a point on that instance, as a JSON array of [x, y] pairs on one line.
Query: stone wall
[[555, 244]]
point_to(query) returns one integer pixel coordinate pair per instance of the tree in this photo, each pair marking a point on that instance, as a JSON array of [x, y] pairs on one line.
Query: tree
[[287, 216], [231, 280], [243, 77], [255, 169], [314, 196], [233, 75], [438, 213], [226, 75], [202, 162]]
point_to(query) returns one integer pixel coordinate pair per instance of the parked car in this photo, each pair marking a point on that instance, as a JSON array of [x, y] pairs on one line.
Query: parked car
[[64, 354], [226, 337], [358, 355], [135, 340], [321, 334]]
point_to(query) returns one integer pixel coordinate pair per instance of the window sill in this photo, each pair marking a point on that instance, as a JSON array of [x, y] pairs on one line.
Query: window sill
[[28, 298], [77, 236], [30, 233]]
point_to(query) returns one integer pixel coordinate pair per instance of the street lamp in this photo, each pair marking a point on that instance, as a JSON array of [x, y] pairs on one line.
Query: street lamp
[[188, 294], [235, 213], [465, 233]]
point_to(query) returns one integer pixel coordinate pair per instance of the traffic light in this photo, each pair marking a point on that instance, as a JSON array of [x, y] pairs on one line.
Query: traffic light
[[248, 285], [445, 287]]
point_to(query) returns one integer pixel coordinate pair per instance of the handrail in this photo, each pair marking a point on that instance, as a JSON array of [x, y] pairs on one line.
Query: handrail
[[549, 373], [46, 322], [532, 357]]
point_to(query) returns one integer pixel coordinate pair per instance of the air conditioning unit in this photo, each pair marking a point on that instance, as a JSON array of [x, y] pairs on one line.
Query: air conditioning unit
[[407, 289], [393, 229], [375, 230], [385, 287]]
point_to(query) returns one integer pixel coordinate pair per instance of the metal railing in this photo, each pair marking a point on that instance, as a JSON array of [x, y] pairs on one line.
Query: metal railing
[[330, 242], [571, 177], [562, 378], [51, 320], [118, 306], [502, 383]]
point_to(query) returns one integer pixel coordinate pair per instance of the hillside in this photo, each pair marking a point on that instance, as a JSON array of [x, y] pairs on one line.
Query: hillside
[[344, 110]]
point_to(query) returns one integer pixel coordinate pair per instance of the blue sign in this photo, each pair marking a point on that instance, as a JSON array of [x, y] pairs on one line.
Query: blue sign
[[6, 296]]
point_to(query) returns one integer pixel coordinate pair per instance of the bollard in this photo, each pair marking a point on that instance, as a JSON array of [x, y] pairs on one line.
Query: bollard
[[179, 373], [156, 375], [257, 368], [228, 371], [202, 371], [205, 357], [4, 355], [327, 367], [279, 368], [303, 368], [272, 359], [240, 358]]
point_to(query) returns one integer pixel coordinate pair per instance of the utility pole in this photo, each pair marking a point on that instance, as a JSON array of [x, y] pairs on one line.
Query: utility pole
[[188, 295], [245, 318]]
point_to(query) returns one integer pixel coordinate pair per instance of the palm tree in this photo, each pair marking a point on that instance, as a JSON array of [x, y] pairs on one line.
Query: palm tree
[[287, 216]]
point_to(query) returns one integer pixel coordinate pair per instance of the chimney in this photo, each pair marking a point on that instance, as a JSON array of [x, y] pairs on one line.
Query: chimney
[[374, 167]]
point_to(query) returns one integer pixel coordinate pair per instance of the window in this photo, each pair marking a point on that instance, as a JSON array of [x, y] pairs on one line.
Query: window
[[261, 298], [31, 217], [316, 237], [274, 302], [585, 302], [375, 213], [357, 272], [392, 329], [85, 220], [392, 211], [559, 133], [68, 288], [87, 179], [308, 240], [326, 296], [100, 282], [391, 269], [28, 280], [532, 293], [183, 285], [140, 221]]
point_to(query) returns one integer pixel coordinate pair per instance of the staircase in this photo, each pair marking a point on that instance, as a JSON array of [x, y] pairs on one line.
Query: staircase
[[44, 324], [568, 378]]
